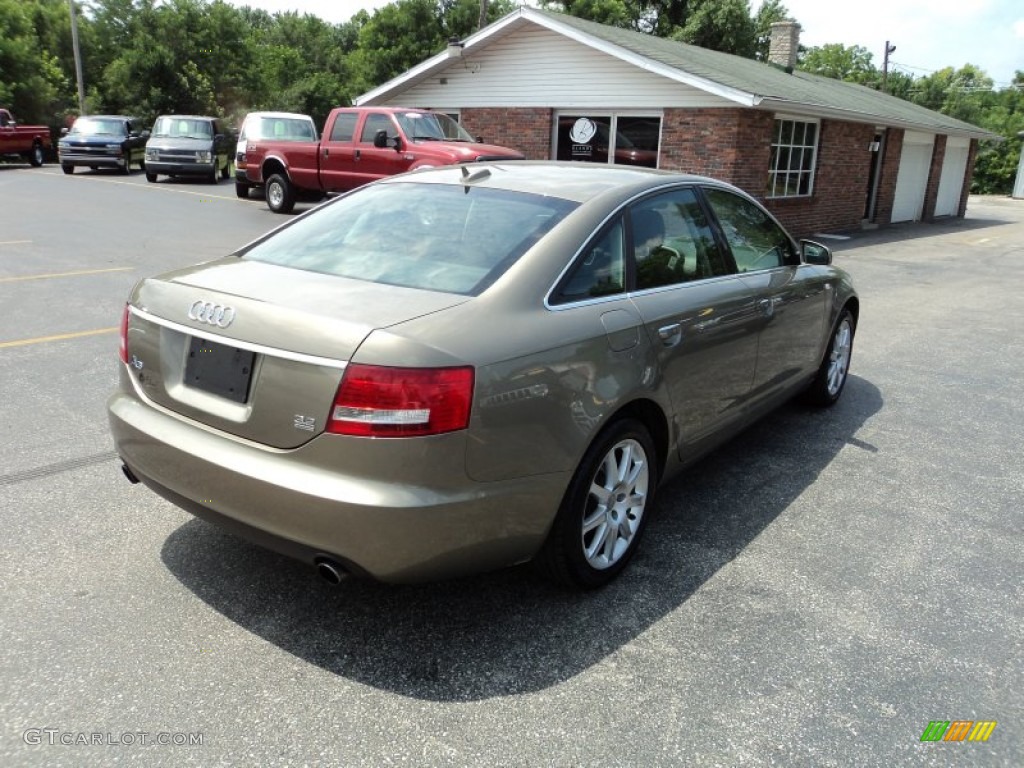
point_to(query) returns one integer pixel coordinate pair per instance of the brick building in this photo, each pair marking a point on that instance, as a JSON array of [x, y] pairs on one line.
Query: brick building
[[822, 154]]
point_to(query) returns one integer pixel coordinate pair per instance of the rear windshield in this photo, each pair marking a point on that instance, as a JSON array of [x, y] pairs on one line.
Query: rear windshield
[[437, 237], [280, 129]]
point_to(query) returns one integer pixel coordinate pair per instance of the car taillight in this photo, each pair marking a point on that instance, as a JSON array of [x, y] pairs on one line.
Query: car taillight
[[123, 347], [377, 401]]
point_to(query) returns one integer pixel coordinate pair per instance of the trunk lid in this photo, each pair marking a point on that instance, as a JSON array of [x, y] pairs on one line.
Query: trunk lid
[[258, 350]]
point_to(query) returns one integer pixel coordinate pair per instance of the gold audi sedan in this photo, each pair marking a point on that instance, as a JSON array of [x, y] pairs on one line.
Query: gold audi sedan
[[470, 367]]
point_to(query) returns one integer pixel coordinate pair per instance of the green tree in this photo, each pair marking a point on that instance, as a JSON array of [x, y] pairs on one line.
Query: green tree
[[721, 25], [32, 80], [849, 63]]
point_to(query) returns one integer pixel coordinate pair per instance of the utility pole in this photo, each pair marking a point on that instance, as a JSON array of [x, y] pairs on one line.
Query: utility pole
[[885, 65], [78, 57]]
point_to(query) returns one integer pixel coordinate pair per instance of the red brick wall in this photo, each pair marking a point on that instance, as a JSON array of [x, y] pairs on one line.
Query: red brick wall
[[968, 176], [931, 190], [733, 145], [840, 183], [526, 129], [887, 179]]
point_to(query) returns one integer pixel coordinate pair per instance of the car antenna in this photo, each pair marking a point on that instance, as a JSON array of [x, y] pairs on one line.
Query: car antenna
[[469, 178]]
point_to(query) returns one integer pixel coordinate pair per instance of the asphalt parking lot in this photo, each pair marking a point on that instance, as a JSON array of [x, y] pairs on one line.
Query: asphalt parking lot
[[815, 593]]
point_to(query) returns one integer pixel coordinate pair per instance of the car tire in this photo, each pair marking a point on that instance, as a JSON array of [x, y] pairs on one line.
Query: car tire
[[67, 168], [150, 177], [605, 509], [241, 190], [280, 194], [835, 365], [213, 177], [36, 156]]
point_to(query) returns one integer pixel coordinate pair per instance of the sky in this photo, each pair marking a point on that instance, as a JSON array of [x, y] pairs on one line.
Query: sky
[[928, 34]]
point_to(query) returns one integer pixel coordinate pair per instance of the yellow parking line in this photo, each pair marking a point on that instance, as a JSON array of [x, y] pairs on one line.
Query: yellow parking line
[[64, 274], [57, 337], [15, 242]]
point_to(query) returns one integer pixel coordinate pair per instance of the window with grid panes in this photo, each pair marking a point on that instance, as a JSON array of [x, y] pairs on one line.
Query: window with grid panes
[[794, 150]]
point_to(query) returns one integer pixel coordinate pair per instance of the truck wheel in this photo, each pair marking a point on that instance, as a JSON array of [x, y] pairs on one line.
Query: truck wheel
[[68, 169], [280, 194], [241, 190], [150, 177], [36, 156]]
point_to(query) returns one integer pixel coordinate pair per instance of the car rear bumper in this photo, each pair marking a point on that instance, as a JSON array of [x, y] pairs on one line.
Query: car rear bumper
[[340, 497]]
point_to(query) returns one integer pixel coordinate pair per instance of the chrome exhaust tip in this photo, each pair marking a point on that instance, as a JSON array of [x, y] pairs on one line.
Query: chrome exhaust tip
[[330, 571]]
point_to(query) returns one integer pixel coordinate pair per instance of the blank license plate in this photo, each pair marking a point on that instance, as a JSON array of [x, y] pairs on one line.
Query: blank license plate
[[219, 369]]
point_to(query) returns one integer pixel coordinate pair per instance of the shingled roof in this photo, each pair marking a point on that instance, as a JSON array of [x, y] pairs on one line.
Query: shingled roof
[[745, 81]]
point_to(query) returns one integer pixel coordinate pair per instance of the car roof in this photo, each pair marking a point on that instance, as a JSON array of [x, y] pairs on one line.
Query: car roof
[[294, 115], [577, 181], [188, 117], [107, 117]]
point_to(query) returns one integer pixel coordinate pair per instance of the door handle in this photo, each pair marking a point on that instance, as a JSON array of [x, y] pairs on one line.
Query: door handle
[[671, 335], [767, 306]]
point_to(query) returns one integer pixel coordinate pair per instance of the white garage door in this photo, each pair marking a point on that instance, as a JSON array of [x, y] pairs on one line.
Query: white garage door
[[912, 178], [951, 182]]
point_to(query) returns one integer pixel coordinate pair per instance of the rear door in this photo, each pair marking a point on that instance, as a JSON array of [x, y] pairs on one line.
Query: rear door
[[338, 153]]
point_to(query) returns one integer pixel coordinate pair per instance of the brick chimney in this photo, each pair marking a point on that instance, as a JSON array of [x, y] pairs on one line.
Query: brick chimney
[[783, 44]]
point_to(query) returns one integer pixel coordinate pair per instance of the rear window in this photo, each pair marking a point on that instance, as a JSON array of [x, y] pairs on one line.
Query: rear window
[[280, 129], [447, 238]]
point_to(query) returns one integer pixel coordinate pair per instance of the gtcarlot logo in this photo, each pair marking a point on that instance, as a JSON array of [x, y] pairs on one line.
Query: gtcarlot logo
[[56, 737]]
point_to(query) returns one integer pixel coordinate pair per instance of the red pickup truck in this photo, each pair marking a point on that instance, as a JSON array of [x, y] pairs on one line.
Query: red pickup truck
[[360, 145], [29, 141]]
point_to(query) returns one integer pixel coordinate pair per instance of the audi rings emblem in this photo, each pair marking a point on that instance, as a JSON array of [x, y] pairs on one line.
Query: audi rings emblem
[[211, 314]]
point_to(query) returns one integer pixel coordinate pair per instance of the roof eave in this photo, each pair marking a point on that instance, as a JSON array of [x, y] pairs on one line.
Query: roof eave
[[775, 104]]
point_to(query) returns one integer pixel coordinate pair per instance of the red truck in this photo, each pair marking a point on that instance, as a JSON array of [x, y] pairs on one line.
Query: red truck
[[360, 145], [29, 141]]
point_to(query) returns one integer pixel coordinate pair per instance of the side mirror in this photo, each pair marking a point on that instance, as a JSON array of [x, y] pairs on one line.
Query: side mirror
[[63, 131], [381, 140], [144, 135], [815, 253]]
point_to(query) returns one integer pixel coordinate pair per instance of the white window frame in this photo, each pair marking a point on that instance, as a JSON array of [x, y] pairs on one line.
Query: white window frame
[[614, 114], [777, 190]]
